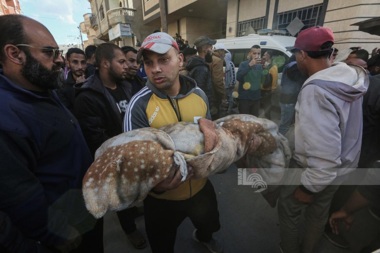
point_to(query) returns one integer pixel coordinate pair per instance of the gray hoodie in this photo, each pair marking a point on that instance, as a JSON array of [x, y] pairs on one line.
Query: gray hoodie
[[328, 126]]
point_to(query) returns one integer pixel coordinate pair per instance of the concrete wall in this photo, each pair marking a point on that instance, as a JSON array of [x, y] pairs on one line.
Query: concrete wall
[[196, 27], [150, 8], [288, 5], [177, 5], [250, 9], [232, 18], [340, 16]]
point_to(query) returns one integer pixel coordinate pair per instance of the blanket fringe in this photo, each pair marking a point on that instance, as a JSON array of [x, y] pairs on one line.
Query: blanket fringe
[[180, 161]]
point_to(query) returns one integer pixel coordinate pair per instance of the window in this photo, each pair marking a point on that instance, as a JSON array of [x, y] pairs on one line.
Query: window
[[250, 26], [240, 55], [309, 16], [101, 12]]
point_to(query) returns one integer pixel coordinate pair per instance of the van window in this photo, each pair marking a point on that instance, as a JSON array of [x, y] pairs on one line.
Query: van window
[[240, 55]]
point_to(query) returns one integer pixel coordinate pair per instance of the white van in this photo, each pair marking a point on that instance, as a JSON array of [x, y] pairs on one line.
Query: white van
[[240, 46]]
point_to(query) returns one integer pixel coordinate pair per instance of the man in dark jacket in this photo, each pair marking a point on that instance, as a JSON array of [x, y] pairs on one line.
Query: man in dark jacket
[[42, 151], [200, 71], [291, 83], [100, 105], [90, 60], [76, 61]]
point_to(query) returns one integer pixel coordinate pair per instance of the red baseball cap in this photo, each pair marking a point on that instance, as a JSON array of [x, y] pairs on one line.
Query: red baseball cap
[[159, 42], [312, 39]]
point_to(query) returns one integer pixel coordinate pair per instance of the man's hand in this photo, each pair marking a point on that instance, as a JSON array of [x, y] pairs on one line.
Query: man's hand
[[303, 197], [254, 61], [80, 79], [172, 181], [375, 51], [340, 216]]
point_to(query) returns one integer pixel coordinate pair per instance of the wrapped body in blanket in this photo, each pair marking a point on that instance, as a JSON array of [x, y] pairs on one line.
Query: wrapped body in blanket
[[129, 165]]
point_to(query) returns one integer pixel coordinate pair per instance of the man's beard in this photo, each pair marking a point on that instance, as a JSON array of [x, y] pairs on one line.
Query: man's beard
[[115, 77], [208, 57], [38, 75]]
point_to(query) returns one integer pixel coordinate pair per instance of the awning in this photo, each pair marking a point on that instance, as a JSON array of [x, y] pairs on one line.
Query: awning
[[371, 26]]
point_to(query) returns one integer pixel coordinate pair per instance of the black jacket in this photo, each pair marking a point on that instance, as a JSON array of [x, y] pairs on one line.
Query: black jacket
[[371, 124], [43, 160], [137, 84], [200, 71], [97, 111], [66, 91]]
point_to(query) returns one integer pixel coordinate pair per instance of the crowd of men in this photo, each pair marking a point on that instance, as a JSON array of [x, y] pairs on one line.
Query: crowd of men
[[56, 113]]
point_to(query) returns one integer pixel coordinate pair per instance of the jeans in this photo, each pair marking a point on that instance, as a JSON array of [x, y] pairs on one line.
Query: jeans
[[266, 102], [290, 211], [249, 107], [287, 117]]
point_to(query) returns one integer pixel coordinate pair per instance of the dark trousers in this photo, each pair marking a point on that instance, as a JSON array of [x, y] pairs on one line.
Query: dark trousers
[[266, 102], [249, 107], [127, 219], [92, 241], [163, 217]]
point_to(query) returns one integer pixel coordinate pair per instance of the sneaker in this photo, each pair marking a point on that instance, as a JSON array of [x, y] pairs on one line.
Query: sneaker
[[374, 213], [213, 245], [336, 240], [137, 239], [279, 246]]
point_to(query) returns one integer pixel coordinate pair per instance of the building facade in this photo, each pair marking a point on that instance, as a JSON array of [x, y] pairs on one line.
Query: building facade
[[10, 7], [278, 15], [117, 21], [233, 18]]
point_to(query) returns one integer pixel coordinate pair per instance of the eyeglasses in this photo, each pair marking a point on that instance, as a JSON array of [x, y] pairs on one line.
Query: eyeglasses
[[49, 51]]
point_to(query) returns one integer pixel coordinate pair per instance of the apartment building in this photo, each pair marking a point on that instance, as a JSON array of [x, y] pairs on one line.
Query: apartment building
[[10, 7], [234, 18], [112, 20]]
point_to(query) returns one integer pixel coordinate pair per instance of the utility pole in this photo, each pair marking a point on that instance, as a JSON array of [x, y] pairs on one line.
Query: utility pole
[[163, 14]]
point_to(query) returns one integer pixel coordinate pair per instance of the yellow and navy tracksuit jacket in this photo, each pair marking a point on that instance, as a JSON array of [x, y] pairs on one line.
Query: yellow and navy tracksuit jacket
[[152, 108]]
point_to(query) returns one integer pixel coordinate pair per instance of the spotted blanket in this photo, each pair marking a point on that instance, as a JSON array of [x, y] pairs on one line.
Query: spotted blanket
[[129, 165]]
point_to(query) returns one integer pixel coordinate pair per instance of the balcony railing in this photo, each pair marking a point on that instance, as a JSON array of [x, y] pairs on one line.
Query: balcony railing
[[120, 15]]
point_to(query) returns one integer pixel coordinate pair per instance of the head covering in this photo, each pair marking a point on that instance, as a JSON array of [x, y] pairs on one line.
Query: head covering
[[312, 39], [203, 40], [189, 51], [220, 46], [159, 43]]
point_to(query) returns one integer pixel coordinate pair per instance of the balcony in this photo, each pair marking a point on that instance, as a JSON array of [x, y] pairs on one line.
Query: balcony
[[94, 22], [120, 15]]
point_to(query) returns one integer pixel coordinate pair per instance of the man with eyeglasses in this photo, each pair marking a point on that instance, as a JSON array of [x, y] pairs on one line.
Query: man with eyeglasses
[[42, 151]]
